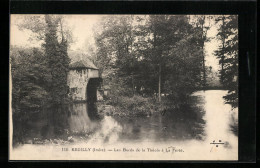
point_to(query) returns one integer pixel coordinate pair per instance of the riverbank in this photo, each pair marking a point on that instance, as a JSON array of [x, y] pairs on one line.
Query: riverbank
[[192, 128], [183, 121], [137, 105]]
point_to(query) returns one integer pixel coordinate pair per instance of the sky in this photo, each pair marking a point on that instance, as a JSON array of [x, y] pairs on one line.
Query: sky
[[83, 27]]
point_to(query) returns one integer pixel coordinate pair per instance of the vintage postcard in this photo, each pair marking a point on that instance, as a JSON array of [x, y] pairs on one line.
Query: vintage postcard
[[123, 87]]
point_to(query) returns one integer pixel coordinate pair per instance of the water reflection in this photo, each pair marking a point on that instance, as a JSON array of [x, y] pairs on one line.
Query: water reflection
[[193, 128], [84, 117], [184, 123], [205, 118], [92, 111], [219, 117]]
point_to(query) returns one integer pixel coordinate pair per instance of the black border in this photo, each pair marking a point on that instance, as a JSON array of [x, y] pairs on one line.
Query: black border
[[247, 48], [133, 7]]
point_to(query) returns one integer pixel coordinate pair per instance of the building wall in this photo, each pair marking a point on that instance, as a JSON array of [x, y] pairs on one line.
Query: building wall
[[93, 73], [77, 82]]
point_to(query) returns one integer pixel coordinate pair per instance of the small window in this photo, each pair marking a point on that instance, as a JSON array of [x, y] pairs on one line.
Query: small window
[[73, 90]]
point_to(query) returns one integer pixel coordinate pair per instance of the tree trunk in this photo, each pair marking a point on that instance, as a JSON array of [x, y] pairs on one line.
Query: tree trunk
[[223, 48], [159, 75], [204, 69], [203, 56]]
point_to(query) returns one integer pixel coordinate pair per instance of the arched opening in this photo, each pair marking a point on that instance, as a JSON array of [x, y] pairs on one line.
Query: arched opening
[[92, 90], [91, 96]]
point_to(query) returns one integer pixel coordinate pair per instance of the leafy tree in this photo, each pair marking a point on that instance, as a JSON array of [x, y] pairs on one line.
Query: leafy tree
[[58, 62], [202, 24], [151, 53], [38, 26], [184, 61], [30, 79], [167, 32], [39, 77], [174, 53], [227, 54], [30, 82], [115, 48]]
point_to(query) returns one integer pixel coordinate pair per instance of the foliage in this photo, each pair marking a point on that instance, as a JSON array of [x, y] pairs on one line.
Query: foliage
[[227, 54], [38, 26], [39, 77], [133, 106], [58, 62], [203, 24], [151, 54], [30, 79], [30, 82]]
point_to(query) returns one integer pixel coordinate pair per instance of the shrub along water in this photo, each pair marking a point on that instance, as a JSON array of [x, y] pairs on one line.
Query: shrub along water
[[39, 83]]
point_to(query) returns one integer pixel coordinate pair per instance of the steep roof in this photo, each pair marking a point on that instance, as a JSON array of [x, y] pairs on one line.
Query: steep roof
[[83, 64]]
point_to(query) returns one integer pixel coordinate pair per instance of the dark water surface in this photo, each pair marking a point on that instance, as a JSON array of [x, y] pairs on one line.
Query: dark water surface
[[192, 128], [184, 123], [205, 113]]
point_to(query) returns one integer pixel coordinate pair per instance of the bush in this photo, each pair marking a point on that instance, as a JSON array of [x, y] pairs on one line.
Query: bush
[[133, 106]]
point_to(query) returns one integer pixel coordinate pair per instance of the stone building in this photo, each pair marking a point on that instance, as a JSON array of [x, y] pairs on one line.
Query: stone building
[[83, 81]]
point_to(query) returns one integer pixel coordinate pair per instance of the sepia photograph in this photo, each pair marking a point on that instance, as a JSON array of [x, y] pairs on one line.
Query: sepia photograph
[[123, 87]]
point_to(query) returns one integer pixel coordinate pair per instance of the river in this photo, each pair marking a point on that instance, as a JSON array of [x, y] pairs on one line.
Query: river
[[201, 130]]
